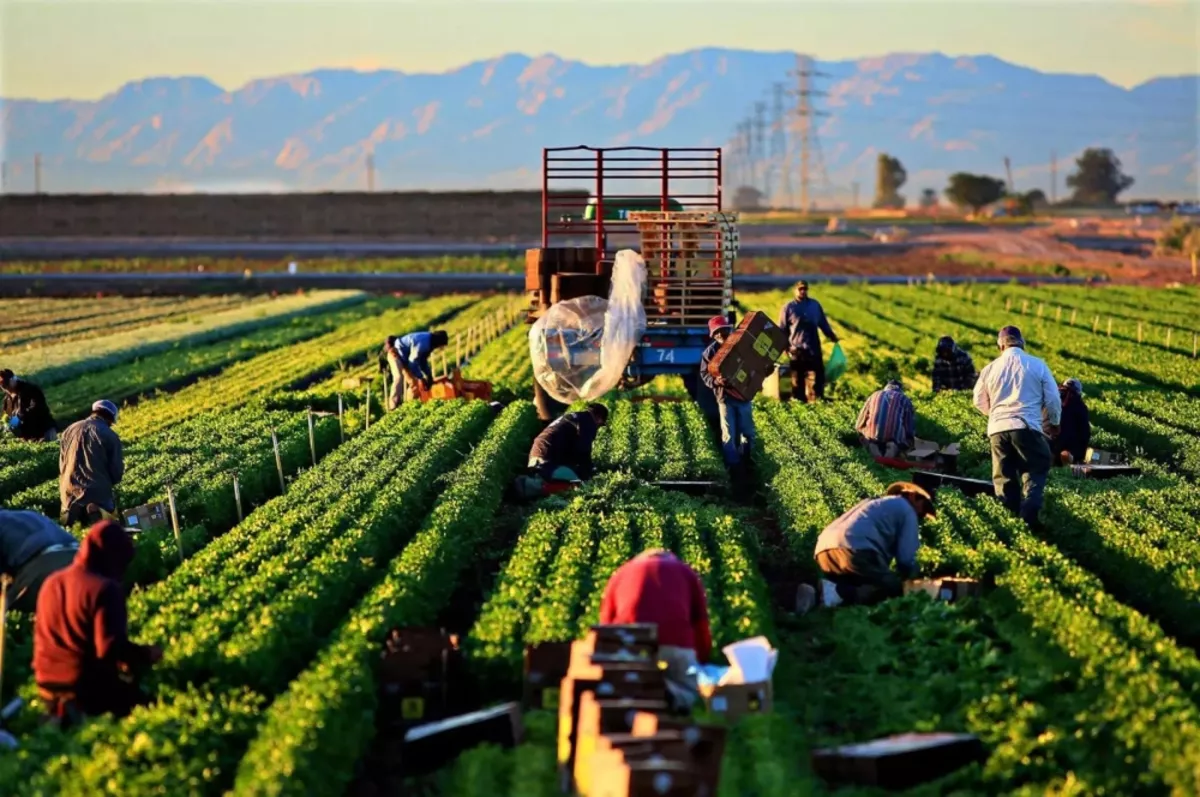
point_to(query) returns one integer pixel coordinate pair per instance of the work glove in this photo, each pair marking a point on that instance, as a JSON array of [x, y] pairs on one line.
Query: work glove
[[14, 422]]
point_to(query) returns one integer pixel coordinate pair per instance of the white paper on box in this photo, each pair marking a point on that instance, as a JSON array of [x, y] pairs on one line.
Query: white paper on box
[[751, 661]]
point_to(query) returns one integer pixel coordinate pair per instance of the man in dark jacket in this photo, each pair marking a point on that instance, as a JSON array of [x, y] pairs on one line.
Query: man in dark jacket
[[32, 546], [91, 462], [25, 405], [953, 368], [408, 357], [563, 451], [1075, 429], [736, 414], [804, 319], [83, 659]]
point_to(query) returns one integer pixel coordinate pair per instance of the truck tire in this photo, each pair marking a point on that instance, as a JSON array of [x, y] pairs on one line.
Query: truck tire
[[547, 408]]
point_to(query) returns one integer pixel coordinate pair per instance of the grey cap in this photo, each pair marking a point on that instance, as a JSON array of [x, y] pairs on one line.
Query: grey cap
[[104, 405], [1010, 336], [1075, 385]]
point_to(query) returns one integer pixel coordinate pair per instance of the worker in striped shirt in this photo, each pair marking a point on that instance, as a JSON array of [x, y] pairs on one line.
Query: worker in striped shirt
[[886, 425]]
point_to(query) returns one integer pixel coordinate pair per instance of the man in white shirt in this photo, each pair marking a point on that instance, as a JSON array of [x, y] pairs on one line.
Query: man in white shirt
[[1020, 397]]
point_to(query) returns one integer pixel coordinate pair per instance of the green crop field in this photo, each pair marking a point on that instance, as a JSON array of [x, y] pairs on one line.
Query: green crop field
[[1077, 667]]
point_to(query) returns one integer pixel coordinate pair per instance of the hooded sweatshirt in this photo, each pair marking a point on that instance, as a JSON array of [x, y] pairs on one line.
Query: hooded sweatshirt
[[568, 442], [81, 635], [657, 587], [28, 403]]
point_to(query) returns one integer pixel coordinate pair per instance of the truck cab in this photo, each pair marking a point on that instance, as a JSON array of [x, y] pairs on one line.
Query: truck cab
[[664, 203]]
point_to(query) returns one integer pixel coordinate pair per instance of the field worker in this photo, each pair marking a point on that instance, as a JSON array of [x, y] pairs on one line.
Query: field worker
[[855, 552], [1074, 436], [81, 644], [804, 318], [953, 368], [887, 423], [563, 450], [25, 405], [91, 462], [408, 357], [32, 546], [656, 587], [735, 413], [1020, 397]]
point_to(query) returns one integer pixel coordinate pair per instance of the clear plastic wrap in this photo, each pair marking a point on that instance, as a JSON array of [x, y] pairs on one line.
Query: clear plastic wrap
[[580, 347]]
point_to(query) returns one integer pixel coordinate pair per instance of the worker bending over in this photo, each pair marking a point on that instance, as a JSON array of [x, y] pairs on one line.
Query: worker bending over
[[1020, 397], [804, 319], [25, 405], [855, 552], [953, 368], [32, 546], [1074, 436], [735, 413], [91, 463], [563, 451], [656, 587], [408, 357], [81, 645], [887, 423]]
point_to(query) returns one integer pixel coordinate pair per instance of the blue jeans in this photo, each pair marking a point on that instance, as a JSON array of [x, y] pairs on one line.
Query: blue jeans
[[1020, 467], [737, 429]]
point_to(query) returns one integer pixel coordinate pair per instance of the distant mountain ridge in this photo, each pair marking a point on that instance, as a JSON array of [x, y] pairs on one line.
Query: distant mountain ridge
[[483, 125]]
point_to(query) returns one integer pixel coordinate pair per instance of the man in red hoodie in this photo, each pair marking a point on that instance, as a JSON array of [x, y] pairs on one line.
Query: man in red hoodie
[[83, 660], [656, 587]]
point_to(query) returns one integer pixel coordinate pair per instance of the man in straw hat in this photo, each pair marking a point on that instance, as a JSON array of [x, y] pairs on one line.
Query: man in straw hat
[[855, 552]]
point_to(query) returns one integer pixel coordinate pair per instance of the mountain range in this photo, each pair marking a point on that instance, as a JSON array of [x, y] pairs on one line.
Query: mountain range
[[483, 125]]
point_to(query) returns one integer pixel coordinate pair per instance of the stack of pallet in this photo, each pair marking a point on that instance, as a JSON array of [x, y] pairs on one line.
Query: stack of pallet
[[557, 274], [689, 264]]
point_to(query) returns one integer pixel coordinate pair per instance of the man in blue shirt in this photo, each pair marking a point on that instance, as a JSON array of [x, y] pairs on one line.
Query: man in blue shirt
[[737, 419], [804, 319], [408, 358]]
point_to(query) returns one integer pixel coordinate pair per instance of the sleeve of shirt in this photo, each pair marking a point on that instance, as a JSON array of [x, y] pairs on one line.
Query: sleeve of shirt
[[1050, 397], [908, 543], [700, 627], [116, 461], [861, 424], [709, 381], [783, 318], [111, 632], [983, 401], [823, 323]]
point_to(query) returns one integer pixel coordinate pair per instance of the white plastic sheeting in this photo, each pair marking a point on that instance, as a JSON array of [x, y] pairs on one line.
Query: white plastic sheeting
[[580, 347]]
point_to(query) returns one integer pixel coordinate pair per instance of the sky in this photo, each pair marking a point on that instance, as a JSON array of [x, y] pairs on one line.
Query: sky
[[56, 49]]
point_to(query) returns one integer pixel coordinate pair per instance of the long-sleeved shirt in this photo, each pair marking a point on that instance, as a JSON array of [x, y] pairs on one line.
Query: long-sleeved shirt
[[1017, 391], [722, 393], [414, 350], [91, 462], [956, 372], [1075, 430], [27, 402], [888, 526], [568, 442], [888, 417], [802, 319], [660, 589], [23, 535]]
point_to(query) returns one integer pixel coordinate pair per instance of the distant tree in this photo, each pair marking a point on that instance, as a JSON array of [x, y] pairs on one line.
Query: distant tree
[[889, 177], [747, 198], [1098, 178], [974, 191], [929, 198]]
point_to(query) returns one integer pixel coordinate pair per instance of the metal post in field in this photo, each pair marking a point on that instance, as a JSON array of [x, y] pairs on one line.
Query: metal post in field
[[312, 437], [1168, 337], [1041, 309], [1024, 307], [1073, 312], [175, 520], [278, 462], [1007, 304], [341, 420], [1058, 315], [367, 408], [237, 497], [1139, 331], [1095, 324], [1195, 341], [5, 581], [1110, 327], [458, 348]]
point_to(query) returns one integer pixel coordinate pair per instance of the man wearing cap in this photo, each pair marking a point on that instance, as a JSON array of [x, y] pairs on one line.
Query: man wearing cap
[[887, 423], [735, 412], [25, 405], [804, 319], [1074, 436], [1020, 397], [91, 462], [953, 368], [32, 546], [855, 552]]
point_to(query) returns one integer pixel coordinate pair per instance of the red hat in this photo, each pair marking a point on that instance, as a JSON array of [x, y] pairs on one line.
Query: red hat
[[717, 322]]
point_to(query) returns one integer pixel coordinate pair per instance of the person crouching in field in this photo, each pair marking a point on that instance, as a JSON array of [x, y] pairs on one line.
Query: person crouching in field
[[887, 424], [408, 358], [1074, 436]]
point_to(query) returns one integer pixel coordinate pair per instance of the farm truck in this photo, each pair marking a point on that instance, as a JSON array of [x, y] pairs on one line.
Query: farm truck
[[665, 202]]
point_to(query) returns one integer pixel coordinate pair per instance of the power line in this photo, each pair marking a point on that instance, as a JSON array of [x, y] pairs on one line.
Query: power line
[[803, 116], [761, 177], [779, 141]]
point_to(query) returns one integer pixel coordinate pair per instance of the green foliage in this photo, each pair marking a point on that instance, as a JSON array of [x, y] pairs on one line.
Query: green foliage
[[974, 191], [1097, 179]]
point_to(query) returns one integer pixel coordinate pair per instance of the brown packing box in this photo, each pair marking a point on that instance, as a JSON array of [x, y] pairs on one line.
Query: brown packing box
[[646, 779], [598, 717], [542, 264], [749, 355], [945, 457], [950, 590], [565, 286], [737, 700], [545, 667], [705, 743], [147, 516], [413, 675], [1104, 471], [898, 762], [433, 745], [620, 750], [634, 642], [1095, 457]]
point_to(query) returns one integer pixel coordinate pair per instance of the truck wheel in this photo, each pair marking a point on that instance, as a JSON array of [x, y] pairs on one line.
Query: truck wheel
[[547, 408]]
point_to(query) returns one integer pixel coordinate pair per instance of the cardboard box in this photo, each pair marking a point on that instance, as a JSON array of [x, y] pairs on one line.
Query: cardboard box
[[147, 516], [1095, 457], [564, 286], [1104, 471], [431, 746], [950, 590], [614, 643], [705, 743], [898, 762], [737, 700], [646, 779], [415, 676], [749, 355], [545, 666], [945, 458], [597, 718]]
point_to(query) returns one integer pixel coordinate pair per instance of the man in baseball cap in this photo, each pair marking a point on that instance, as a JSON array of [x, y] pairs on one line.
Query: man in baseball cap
[[953, 368], [1020, 397], [736, 414], [91, 464]]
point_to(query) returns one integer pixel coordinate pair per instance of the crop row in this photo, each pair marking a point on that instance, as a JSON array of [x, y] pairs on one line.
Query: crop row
[[658, 441], [505, 363], [50, 365]]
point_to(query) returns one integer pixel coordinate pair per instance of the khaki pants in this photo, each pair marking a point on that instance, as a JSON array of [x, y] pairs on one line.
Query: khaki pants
[[862, 577], [403, 386]]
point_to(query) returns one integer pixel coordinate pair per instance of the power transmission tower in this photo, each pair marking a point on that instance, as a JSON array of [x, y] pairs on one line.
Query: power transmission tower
[[37, 173], [370, 171], [1053, 176], [803, 116], [762, 167], [779, 142]]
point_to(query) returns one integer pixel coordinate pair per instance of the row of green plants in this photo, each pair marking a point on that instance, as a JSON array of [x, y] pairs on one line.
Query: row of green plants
[[667, 440]]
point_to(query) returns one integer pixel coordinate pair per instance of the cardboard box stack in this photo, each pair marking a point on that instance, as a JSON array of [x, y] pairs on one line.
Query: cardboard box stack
[[146, 517], [749, 355], [898, 762], [950, 590]]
